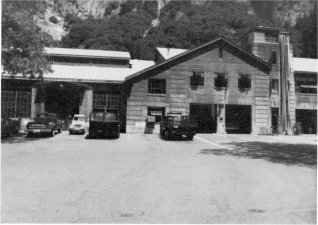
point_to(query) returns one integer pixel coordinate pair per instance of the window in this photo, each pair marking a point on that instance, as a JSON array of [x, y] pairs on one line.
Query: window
[[273, 59], [274, 85], [103, 99], [197, 79], [271, 37], [261, 52], [157, 86], [157, 112], [220, 81], [15, 104], [244, 81], [306, 83]]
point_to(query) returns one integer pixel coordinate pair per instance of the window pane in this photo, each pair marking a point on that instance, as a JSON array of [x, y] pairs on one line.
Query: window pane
[[157, 86]]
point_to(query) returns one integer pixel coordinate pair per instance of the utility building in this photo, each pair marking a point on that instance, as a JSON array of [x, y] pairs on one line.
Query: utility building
[[246, 87]]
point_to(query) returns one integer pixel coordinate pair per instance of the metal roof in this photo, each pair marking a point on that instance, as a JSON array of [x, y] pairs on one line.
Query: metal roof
[[305, 65], [85, 73], [90, 53], [168, 53]]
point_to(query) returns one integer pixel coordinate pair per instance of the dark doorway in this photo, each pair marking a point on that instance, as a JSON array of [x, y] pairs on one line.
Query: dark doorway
[[308, 119], [205, 115], [275, 114], [62, 99], [238, 119]]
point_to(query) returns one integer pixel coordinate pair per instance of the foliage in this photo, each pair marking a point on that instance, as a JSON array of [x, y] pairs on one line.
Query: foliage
[[182, 25], [304, 35], [22, 41], [110, 7]]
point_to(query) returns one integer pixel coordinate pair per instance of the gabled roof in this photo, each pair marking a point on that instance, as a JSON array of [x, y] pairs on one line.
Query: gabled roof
[[90, 53], [305, 65], [219, 42], [168, 53]]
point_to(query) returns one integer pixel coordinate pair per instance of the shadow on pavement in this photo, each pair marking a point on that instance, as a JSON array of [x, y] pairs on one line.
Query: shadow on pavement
[[288, 154], [22, 138]]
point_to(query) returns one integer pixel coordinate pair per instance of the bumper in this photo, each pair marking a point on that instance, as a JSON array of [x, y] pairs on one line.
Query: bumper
[[76, 130], [37, 131], [176, 131]]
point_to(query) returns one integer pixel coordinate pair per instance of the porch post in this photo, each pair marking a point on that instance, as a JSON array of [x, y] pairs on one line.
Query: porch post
[[221, 119], [86, 105]]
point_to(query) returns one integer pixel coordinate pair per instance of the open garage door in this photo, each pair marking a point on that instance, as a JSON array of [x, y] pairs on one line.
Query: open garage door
[[62, 99], [238, 119], [308, 119], [206, 117]]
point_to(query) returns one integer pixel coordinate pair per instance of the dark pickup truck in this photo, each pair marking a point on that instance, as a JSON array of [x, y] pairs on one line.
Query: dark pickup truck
[[46, 123], [104, 122], [175, 124]]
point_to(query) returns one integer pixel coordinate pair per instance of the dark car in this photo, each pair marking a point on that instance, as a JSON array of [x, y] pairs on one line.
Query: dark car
[[9, 127], [175, 124], [104, 123], [46, 123]]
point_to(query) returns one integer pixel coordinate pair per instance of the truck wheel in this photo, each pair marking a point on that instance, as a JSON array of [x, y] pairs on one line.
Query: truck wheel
[[190, 137], [167, 135], [10, 133]]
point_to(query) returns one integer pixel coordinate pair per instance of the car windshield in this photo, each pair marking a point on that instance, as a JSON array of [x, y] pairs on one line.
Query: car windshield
[[97, 116], [102, 116], [79, 118], [110, 117], [44, 119]]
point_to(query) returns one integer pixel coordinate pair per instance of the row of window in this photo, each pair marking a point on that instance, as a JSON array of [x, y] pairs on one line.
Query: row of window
[[88, 61], [158, 86]]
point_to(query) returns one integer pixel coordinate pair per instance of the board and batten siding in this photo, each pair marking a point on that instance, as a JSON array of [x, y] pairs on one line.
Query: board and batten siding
[[179, 94]]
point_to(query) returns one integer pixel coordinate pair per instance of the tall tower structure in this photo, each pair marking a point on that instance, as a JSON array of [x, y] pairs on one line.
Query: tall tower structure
[[272, 45]]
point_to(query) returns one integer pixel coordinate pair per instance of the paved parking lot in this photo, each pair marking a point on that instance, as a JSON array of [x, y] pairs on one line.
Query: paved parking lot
[[144, 179]]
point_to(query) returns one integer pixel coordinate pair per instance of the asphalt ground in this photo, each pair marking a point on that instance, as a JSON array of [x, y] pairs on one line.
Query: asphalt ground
[[141, 178]]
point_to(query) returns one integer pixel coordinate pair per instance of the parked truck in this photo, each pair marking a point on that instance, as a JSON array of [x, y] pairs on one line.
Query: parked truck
[[104, 123], [46, 123], [174, 124]]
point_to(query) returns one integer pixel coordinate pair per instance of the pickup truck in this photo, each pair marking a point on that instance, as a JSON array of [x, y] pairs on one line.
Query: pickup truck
[[46, 123], [104, 122], [176, 124]]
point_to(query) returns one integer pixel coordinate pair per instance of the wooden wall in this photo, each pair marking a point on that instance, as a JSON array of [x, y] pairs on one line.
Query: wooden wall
[[179, 94]]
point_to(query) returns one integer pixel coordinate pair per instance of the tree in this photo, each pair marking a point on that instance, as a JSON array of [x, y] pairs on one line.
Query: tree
[[22, 50]]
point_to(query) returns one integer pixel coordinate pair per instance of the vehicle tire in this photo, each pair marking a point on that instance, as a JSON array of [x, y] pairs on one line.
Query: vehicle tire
[[10, 133], [30, 134], [167, 135], [59, 130], [71, 132], [190, 137], [83, 132]]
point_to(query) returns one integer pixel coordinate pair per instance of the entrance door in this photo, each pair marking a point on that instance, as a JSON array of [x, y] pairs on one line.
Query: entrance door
[[308, 119], [205, 116], [238, 119], [275, 119]]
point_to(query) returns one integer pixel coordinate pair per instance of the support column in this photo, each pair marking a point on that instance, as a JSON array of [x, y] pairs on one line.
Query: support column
[[221, 119], [86, 105], [36, 107]]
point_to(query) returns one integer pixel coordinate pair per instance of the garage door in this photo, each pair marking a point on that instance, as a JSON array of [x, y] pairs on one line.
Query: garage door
[[238, 119]]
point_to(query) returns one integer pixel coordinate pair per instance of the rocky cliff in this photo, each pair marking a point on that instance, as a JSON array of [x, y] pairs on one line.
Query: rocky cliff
[[281, 12]]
